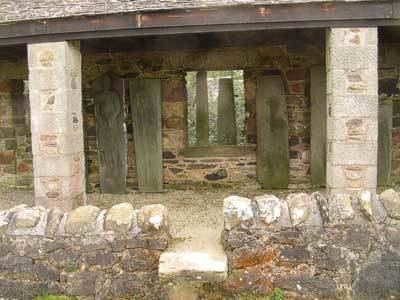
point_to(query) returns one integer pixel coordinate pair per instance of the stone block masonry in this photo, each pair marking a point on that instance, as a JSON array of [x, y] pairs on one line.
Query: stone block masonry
[[56, 124], [15, 154], [352, 122], [89, 252], [344, 247]]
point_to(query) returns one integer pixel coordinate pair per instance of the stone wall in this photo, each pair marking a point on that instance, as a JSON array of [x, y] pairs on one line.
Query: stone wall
[[293, 63], [314, 248], [15, 140], [389, 89], [107, 254]]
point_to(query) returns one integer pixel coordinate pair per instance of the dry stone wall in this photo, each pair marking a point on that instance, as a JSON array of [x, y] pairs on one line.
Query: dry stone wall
[[310, 247], [89, 252]]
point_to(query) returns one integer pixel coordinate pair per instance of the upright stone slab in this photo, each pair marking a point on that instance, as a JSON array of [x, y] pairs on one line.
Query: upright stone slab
[[56, 121], [226, 120], [272, 133], [201, 109], [352, 93], [146, 112], [385, 120], [318, 126], [111, 133]]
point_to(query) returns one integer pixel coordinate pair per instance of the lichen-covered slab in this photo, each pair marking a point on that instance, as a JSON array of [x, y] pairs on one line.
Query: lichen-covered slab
[[272, 133], [318, 125], [146, 113], [385, 120], [111, 133]]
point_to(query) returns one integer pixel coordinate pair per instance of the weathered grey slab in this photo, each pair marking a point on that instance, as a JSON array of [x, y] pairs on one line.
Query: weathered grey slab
[[226, 120], [146, 112], [111, 133], [385, 120], [201, 109], [318, 125], [272, 133]]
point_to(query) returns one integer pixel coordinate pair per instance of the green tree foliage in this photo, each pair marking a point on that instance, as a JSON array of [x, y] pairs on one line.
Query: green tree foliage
[[213, 77]]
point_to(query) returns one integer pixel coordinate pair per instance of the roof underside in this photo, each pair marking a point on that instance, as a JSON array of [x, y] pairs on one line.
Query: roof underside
[[22, 10]]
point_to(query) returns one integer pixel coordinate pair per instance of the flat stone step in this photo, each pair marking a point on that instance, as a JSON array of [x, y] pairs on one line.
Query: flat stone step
[[198, 256]]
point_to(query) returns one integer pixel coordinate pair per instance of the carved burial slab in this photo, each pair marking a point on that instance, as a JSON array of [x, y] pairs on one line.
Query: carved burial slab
[[111, 133], [272, 133], [145, 96]]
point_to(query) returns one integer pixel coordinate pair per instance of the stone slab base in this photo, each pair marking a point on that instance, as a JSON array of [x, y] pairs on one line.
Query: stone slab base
[[199, 258]]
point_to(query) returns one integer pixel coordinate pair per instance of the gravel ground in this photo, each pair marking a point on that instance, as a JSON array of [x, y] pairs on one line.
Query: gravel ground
[[194, 206]]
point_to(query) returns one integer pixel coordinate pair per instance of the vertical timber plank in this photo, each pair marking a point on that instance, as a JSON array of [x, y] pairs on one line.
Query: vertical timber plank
[[226, 120], [272, 133], [111, 133], [201, 109], [385, 120], [318, 126], [146, 112]]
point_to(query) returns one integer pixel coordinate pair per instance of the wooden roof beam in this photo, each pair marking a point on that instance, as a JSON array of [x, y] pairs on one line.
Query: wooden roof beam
[[239, 18]]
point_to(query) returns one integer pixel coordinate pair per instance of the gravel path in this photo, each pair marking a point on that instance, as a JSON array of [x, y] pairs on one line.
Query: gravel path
[[200, 206]]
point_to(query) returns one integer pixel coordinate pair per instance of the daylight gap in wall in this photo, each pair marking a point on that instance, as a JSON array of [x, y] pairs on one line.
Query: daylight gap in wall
[[216, 108]]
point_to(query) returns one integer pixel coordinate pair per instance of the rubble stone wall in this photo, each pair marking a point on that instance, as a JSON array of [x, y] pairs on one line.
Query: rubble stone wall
[[389, 89], [313, 248], [89, 252], [15, 138]]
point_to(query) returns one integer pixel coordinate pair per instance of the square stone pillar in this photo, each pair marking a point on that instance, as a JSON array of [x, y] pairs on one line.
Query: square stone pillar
[[352, 122], [56, 121]]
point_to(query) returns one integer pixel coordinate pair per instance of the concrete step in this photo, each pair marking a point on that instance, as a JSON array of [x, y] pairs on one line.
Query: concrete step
[[197, 256]]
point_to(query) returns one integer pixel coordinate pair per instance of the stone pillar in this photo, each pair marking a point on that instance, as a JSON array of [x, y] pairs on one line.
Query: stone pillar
[[226, 120], [56, 122], [352, 122], [201, 109]]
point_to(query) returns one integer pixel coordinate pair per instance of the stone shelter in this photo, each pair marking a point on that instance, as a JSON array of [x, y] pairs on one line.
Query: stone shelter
[[94, 96]]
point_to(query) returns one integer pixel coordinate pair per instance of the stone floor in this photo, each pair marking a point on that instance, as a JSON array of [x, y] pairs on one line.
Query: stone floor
[[189, 207]]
